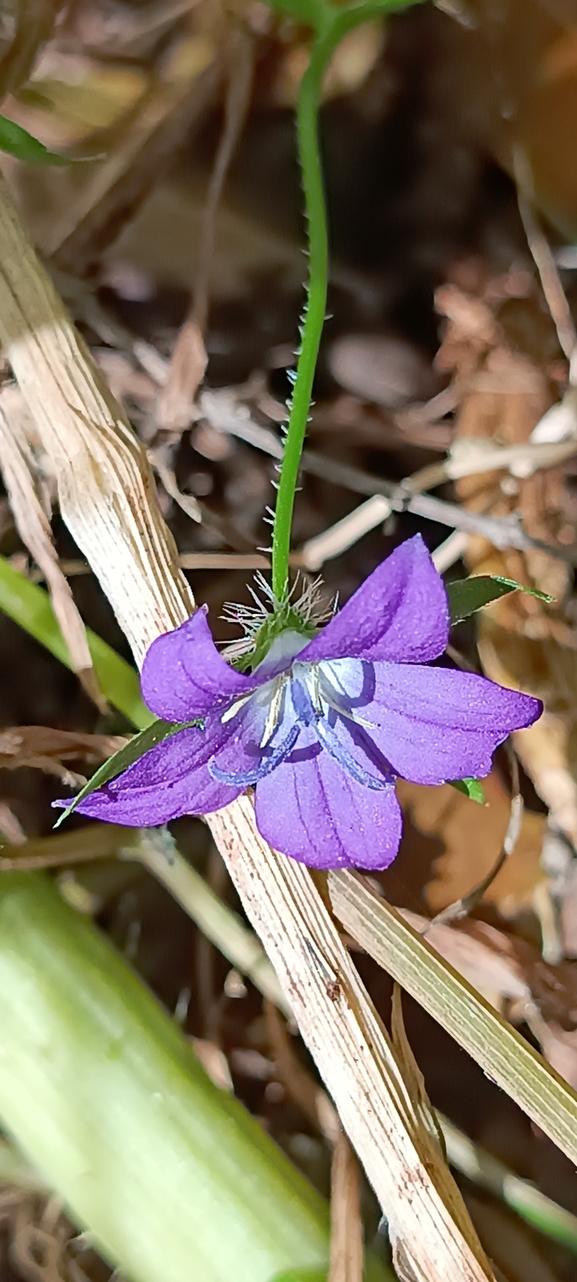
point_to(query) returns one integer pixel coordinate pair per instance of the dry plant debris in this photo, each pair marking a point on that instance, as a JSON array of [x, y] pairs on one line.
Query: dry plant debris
[[42, 748], [33, 523], [504, 395], [144, 81]]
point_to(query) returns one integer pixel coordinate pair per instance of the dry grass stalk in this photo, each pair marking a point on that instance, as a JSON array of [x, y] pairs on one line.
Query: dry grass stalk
[[105, 488], [42, 748], [189, 358], [352, 1051], [34, 23], [18, 470], [107, 499], [346, 1263], [505, 1056]]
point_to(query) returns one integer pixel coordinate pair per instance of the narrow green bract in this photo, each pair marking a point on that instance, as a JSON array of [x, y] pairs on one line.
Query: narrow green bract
[[16, 141], [466, 596], [125, 757]]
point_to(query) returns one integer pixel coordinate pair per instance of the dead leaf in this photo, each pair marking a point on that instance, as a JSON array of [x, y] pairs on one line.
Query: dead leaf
[[187, 369], [69, 97], [512, 975], [523, 643], [71, 208], [472, 837], [467, 946]]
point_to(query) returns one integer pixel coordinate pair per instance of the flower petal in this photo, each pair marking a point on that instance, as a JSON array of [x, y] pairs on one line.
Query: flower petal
[[337, 736], [437, 724], [263, 765], [314, 812], [253, 747], [184, 676], [170, 780], [399, 614]]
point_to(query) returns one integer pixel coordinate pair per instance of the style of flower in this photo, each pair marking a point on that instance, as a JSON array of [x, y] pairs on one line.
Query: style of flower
[[323, 727]]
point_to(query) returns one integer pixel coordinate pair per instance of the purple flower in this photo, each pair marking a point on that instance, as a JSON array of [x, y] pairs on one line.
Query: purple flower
[[322, 728]]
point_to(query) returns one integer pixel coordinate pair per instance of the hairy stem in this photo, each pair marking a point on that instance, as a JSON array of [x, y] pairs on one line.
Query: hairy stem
[[331, 25], [310, 162]]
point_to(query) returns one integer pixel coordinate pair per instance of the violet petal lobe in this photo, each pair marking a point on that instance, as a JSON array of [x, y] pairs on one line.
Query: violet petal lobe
[[249, 751], [438, 724], [269, 760], [171, 780], [334, 735], [184, 676], [399, 614], [312, 811]]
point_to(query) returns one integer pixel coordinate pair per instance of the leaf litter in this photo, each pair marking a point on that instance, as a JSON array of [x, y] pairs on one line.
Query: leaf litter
[[502, 385]]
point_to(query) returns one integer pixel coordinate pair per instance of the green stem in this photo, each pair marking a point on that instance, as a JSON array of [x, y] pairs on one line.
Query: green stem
[[310, 162], [331, 26]]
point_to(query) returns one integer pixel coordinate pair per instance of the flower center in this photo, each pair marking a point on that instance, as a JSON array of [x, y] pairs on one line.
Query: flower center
[[301, 696]]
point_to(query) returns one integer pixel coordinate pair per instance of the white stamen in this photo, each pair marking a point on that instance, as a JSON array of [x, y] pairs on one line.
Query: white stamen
[[274, 714], [321, 692], [234, 708]]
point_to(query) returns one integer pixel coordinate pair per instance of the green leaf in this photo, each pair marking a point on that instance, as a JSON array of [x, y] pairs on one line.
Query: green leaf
[[125, 757], [468, 595], [172, 1177], [18, 142], [472, 788], [31, 607]]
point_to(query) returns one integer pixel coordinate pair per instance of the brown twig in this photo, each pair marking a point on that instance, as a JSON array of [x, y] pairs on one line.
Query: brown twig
[[503, 532], [34, 23], [240, 60], [543, 257]]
